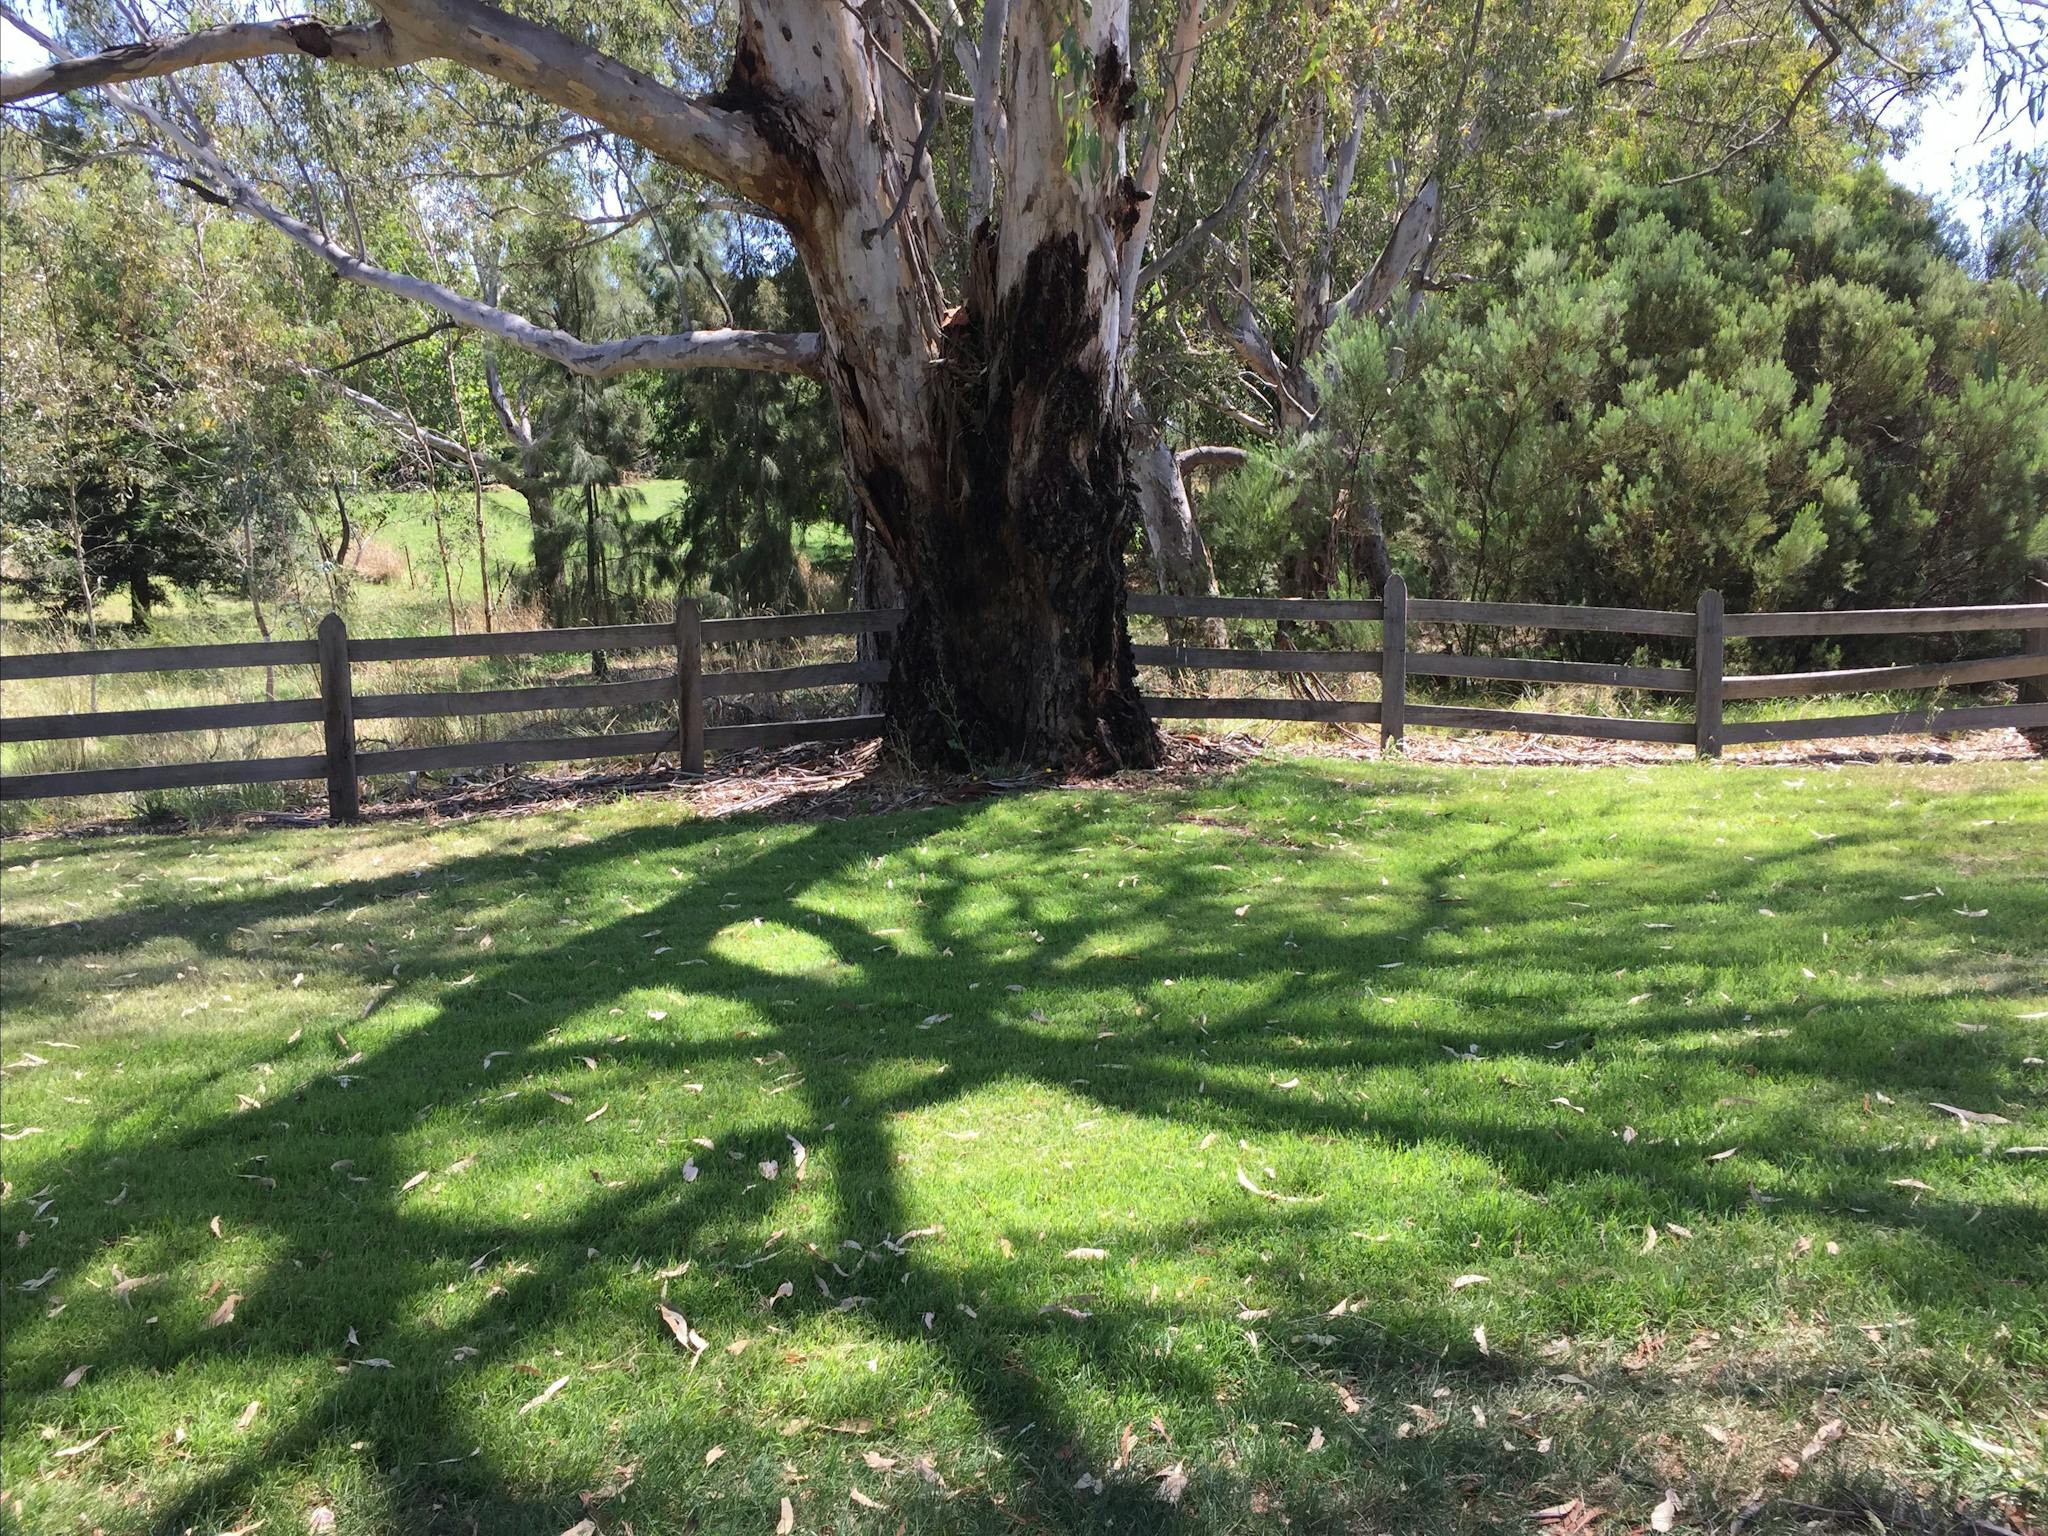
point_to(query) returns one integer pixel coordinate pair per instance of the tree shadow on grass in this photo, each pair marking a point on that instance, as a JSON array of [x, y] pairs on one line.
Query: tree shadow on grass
[[354, 1247]]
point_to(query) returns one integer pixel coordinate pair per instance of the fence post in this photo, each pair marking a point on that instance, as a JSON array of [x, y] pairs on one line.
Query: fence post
[[1393, 662], [689, 686], [2034, 690], [1709, 662], [2034, 642], [337, 693]]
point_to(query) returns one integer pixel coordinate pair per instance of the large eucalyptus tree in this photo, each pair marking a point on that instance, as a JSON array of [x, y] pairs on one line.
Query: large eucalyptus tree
[[980, 373]]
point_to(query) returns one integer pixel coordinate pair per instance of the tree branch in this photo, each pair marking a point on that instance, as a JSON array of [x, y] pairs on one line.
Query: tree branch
[[1412, 233], [1186, 42], [1829, 54], [515, 422], [434, 442], [723, 146], [1224, 212], [764, 351], [370, 46], [1210, 456], [919, 169], [390, 346], [987, 131]]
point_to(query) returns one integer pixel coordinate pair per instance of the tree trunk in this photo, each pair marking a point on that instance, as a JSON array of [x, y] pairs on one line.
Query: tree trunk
[[550, 539], [476, 485], [593, 574], [141, 595], [1180, 560], [86, 590], [988, 443], [875, 585], [255, 598], [1374, 556], [1013, 646]]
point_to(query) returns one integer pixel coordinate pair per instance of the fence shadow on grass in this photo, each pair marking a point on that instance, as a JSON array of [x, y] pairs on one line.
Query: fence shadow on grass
[[372, 1256]]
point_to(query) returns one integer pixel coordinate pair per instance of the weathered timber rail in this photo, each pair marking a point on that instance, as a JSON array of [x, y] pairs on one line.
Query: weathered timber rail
[[1706, 682], [338, 708]]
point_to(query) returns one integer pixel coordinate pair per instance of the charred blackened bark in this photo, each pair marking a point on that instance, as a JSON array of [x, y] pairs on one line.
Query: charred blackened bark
[[1013, 647], [874, 586]]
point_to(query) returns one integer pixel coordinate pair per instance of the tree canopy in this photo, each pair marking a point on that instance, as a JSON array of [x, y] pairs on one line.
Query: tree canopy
[[1566, 295]]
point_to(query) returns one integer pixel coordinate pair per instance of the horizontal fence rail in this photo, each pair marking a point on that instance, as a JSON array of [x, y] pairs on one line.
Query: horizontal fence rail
[[1889, 621], [1706, 682], [159, 658], [334, 657], [162, 722]]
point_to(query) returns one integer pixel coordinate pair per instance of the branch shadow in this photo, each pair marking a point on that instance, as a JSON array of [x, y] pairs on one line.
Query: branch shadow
[[329, 1200]]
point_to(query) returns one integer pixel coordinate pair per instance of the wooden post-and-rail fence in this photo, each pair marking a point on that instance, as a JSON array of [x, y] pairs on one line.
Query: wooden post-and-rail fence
[[1707, 682], [339, 709]]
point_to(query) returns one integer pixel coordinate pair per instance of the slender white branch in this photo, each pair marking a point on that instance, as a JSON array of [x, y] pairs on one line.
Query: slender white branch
[[987, 132], [512, 419], [1332, 186], [764, 351], [1412, 233], [1180, 65], [1624, 54], [965, 53], [433, 442]]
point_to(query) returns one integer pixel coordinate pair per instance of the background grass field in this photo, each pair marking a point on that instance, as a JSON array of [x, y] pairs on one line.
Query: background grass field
[[1149, 1145]]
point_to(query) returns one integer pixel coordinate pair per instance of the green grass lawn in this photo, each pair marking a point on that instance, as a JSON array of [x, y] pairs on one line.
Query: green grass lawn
[[1070, 1161]]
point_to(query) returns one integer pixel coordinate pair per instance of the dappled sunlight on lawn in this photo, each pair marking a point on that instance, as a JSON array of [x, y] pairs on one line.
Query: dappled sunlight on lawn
[[968, 1137]]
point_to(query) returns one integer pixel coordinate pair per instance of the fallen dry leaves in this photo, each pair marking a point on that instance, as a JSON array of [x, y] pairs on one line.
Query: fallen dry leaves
[[688, 1337], [546, 1394]]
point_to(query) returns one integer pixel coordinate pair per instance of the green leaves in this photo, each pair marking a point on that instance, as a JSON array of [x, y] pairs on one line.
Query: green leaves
[[1672, 390]]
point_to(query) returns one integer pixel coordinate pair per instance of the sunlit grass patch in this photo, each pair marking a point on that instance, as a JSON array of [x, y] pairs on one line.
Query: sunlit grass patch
[[1383, 1147]]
